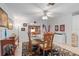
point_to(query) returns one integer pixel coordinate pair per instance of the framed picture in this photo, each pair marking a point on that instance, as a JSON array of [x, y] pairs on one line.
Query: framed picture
[[25, 24], [62, 27], [44, 27], [22, 29], [34, 29], [3, 18], [56, 27], [35, 22]]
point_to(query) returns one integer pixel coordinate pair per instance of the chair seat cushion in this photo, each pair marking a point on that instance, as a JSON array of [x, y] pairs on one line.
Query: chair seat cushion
[[44, 47]]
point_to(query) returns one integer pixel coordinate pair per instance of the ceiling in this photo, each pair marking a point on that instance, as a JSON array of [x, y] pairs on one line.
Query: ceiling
[[35, 10]]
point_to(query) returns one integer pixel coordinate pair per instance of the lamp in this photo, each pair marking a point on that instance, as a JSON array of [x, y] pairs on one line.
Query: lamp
[[45, 17]]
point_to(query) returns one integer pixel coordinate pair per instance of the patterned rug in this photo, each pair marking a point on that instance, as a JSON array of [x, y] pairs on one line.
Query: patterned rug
[[56, 51]]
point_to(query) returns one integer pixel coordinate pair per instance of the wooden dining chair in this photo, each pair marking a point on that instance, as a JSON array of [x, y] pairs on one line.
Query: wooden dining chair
[[47, 43], [29, 44], [31, 47]]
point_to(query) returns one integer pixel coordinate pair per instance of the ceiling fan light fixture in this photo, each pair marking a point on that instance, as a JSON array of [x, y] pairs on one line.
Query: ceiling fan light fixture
[[44, 17]]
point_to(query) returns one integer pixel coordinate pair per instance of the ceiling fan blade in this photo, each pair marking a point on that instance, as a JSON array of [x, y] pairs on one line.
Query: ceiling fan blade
[[54, 14], [38, 6], [55, 6]]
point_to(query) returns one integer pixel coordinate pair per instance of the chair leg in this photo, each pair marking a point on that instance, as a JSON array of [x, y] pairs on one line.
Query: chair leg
[[51, 52], [39, 50], [43, 52]]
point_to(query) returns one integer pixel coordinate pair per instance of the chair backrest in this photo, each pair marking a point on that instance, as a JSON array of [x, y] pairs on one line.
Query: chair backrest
[[48, 38], [30, 44]]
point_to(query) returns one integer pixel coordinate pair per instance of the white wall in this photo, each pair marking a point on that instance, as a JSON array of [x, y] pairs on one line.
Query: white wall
[[23, 35], [64, 19]]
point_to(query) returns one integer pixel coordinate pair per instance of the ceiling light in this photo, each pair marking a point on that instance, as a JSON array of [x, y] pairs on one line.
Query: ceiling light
[[44, 17]]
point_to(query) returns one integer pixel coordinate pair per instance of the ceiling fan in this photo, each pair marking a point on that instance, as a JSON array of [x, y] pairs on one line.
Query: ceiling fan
[[46, 15], [45, 11]]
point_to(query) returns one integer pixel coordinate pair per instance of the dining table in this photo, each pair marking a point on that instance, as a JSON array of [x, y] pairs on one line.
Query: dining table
[[39, 43]]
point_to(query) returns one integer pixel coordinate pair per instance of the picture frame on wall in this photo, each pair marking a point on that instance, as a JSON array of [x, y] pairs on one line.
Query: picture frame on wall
[[44, 27], [3, 18], [56, 27], [34, 29], [25, 24], [62, 27], [22, 29]]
